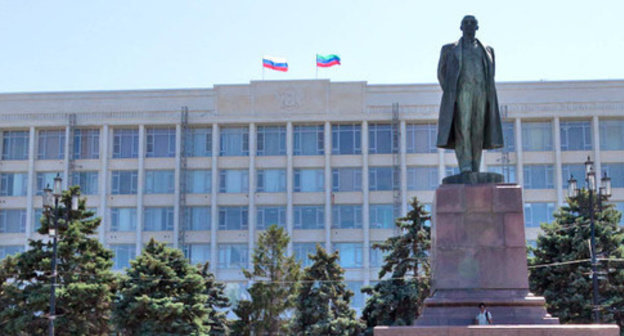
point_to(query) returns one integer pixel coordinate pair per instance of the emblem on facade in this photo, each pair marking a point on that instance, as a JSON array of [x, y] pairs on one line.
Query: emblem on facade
[[289, 98]]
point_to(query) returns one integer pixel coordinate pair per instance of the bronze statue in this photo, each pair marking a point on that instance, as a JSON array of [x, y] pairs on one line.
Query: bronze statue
[[469, 119]]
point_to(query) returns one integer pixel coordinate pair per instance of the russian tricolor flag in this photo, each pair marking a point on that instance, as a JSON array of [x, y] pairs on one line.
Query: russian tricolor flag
[[327, 61], [275, 63]]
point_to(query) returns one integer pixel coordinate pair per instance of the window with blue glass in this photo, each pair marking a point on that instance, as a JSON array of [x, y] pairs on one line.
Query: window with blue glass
[[309, 217], [122, 254], [350, 254], [124, 182], [159, 181], [9, 250], [197, 253], [376, 256], [537, 136], [160, 142], [234, 180], [451, 170], [198, 142], [198, 181], [422, 178], [87, 180], [347, 216], [616, 172], [125, 143], [233, 218], [158, 219], [51, 145], [508, 171], [421, 138], [536, 213], [309, 180], [197, 218], [382, 178], [309, 140], [44, 180], [538, 177], [575, 135], [271, 140], [232, 256], [346, 179], [86, 143], [234, 141], [347, 139], [12, 220], [509, 137], [123, 219], [13, 184], [270, 180], [382, 216], [36, 219], [382, 139], [270, 215], [619, 206], [15, 145], [612, 134], [302, 252], [573, 170], [357, 301]]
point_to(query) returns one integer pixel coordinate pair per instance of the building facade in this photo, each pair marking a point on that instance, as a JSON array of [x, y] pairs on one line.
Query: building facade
[[334, 163]]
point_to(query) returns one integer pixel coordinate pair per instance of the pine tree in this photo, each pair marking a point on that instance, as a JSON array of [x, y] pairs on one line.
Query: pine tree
[[322, 303], [275, 277], [85, 282], [399, 299], [217, 301], [162, 294], [567, 287]]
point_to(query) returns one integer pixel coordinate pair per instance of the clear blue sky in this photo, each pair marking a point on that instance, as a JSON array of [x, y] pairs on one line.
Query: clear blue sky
[[109, 45]]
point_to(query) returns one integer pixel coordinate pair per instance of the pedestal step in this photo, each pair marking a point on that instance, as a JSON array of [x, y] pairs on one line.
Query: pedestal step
[[508, 330]]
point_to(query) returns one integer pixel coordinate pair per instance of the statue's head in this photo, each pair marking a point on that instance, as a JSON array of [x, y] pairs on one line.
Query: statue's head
[[469, 25]]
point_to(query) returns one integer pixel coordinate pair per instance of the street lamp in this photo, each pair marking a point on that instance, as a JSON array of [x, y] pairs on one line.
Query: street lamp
[[603, 190], [50, 200]]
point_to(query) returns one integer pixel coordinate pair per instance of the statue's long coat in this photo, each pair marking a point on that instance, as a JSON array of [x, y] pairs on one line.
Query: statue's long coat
[[449, 68]]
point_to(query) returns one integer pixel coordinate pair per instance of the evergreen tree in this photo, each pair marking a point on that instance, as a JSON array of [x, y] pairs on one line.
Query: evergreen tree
[[567, 287], [322, 303], [162, 294], [217, 301], [398, 300], [85, 282], [272, 293]]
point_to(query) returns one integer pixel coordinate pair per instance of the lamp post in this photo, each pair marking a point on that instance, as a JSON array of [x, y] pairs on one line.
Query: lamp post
[[51, 199], [603, 190]]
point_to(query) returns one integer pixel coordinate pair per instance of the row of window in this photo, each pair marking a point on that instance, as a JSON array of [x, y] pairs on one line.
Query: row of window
[[307, 140]]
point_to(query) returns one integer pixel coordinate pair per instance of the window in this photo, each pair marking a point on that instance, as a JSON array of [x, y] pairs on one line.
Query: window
[[350, 254], [616, 172], [15, 145], [309, 217], [271, 140], [8, 250], [422, 178], [357, 301], [309, 140], [160, 142], [508, 172], [87, 180], [509, 137], [234, 141], [271, 180], [158, 219], [382, 178], [197, 253], [123, 253], [346, 139], [86, 144], [576, 135], [233, 218], [198, 142], [382, 139], [13, 184], [611, 134], [125, 143], [309, 180], [538, 176], [232, 256], [36, 219], [538, 212], [382, 216], [51, 145], [451, 170], [159, 181], [376, 256], [619, 206], [124, 182], [537, 136], [12, 220], [347, 179], [269, 215], [234, 181], [576, 170], [123, 219], [44, 180], [421, 138], [347, 216], [198, 181], [301, 252], [197, 218]]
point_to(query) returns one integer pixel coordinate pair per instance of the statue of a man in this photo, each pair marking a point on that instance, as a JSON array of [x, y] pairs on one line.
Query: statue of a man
[[469, 120]]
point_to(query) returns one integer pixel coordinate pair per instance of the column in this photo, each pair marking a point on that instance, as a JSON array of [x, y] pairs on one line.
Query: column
[[104, 154], [519, 161], [403, 173], [596, 144], [31, 185], [176, 189], [365, 206], [140, 183], [328, 184], [67, 158], [214, 210], [289, 185], [558, 172], [252, 190]]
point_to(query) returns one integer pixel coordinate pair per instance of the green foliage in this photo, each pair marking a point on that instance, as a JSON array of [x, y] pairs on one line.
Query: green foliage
[[568, 287], [85, 283], [162, 294], [398, 300], [216, 303], [322, 303], [275, 277]]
